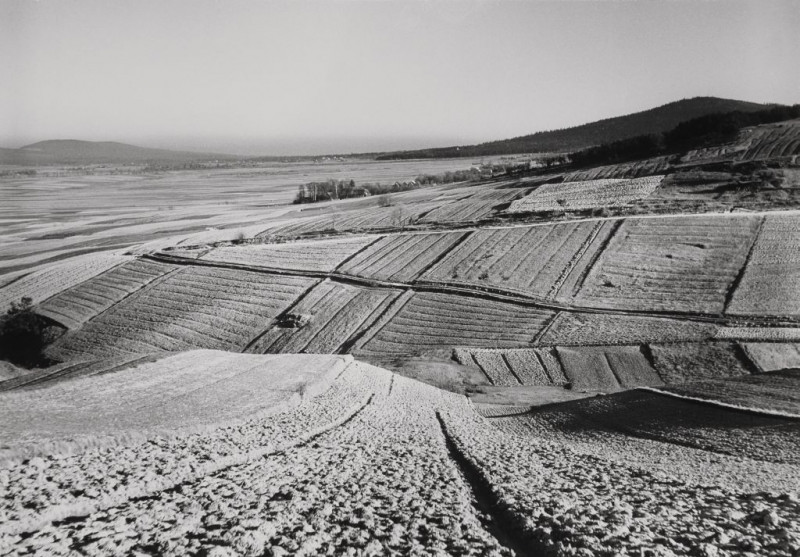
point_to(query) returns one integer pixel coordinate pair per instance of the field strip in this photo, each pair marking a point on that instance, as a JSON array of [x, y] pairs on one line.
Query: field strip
[[444, 228], [371, 329], [490, 293], [342, 263], [22, 274], [62, 512], [276, 319], [794, 212], [726, 405], [740, 275], [166, 258], [121, 263], [547, 371], [472, 227], [484, 292], [480, 367], [13, 279], [573, 262], [595, 258], [396, 252], [741, 354], [463, 238], [614, 372], [141, 289], [511, 368], [328, 321], [366, 323], [759, 334], [543, 331], [450, 227], [60, 257]]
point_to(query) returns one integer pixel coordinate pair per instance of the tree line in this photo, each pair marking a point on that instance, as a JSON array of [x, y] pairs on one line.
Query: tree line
[[330, 190]]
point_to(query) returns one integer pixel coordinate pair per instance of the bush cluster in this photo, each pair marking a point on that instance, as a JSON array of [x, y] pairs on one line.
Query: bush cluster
[[313, 192], [329, 190], [24, 335]]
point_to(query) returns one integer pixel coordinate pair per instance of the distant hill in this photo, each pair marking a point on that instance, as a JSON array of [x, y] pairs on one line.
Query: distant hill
[[73, 151], [653, 121]]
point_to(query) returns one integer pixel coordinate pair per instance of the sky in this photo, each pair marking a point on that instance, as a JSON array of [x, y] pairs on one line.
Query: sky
[[264, 77]]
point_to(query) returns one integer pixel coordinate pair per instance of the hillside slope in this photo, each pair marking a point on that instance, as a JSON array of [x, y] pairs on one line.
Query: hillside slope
[[379, 464], [655, 120], [74, 151]]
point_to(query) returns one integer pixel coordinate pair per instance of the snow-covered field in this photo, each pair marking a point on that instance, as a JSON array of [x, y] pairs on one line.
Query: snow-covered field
[[380, 464]]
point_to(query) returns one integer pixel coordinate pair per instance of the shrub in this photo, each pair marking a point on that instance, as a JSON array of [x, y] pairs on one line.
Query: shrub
[[24, 335], [292, 321]]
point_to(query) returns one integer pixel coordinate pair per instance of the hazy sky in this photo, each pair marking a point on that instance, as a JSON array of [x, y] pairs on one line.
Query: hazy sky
[[262, 76]]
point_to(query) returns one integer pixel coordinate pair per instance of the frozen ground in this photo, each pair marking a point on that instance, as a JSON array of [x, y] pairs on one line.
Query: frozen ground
[[380, 464]]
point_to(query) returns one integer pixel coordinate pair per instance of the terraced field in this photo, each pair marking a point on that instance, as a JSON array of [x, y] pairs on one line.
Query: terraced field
[[771, 356], [321, 255], [766, 142], [196, 307], [78, 304], [324, 319], [773, 141], [181, 420], [607, 368], [146, 306], [538, 261], [681, 362], [681, 264], [593, 368], [591, 194], [636, 169], [473, 208], [767, 334], [52, 279], [776, 253], [283, 456], [432, 321], [577, 328], [515, 366], [401, 258], [374, 218]]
